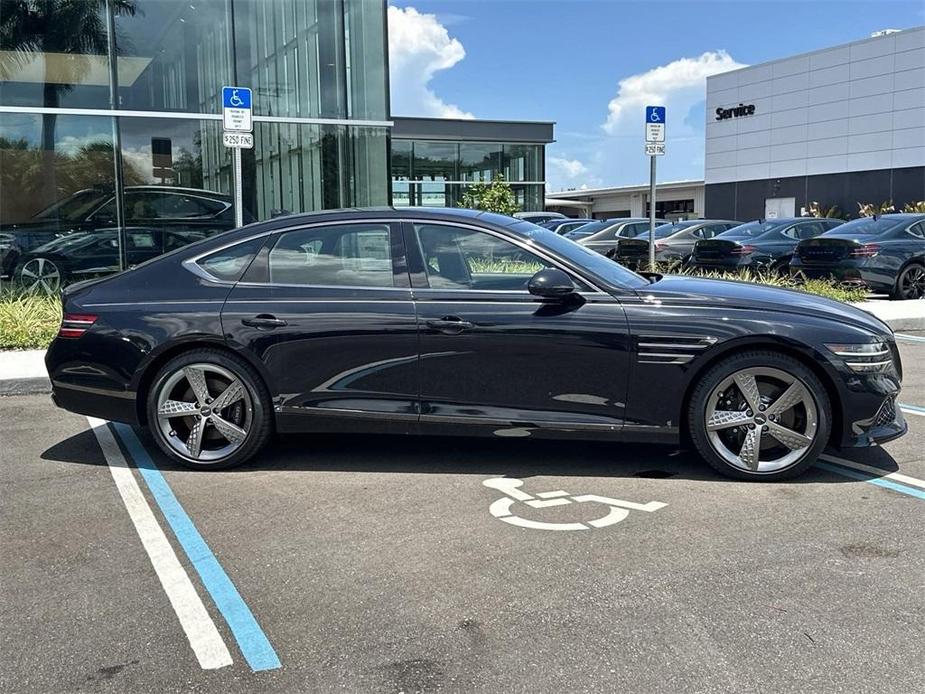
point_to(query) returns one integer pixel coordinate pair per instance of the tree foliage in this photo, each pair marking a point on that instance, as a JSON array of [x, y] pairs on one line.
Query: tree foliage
[[496, 196]]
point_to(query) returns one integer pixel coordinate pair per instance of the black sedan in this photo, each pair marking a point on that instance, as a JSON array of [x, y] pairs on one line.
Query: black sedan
[[405, 321], [761, 246], [91, 254], [884, 253], [674, 242], [92, 210]]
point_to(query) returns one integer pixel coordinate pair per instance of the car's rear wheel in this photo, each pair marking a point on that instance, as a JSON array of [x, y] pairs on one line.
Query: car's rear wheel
[[209, 409], [41, 274], [760, 416], [911, 283]]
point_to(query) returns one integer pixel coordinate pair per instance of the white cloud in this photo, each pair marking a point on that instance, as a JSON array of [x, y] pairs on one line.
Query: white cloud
[[419, 47], [568, 168], [679, 85]]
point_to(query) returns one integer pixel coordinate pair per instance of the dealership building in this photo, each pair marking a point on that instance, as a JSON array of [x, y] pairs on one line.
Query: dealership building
[[836, 126], [124, 100]]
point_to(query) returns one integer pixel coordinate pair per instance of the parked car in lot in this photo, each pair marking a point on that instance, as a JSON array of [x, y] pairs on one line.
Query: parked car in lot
[[539, 217], [563, 226], [674, 242], [884, 253], [761, 245], [84, 255], [94, 209], [400, 321], [605, 234]]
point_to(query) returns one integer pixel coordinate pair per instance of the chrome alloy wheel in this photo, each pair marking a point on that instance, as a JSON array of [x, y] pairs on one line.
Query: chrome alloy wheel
[[40, 273], [912, 283], [204, 412], [761, 419]]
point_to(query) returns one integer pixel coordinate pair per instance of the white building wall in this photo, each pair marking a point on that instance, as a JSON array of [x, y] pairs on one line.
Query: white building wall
[[856, 107]]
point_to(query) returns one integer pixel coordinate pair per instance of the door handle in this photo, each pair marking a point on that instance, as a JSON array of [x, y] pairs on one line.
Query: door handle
[[264, 322], [451, 325]]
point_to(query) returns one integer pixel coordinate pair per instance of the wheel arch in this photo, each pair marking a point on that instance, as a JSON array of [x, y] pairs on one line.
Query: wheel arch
[[154, 365], [772, 343]]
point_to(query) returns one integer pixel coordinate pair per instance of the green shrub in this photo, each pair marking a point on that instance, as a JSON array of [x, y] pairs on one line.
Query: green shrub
[[28, 320]]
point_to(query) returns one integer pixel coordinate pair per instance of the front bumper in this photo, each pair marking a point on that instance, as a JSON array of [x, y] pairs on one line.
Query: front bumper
[[887, 424]]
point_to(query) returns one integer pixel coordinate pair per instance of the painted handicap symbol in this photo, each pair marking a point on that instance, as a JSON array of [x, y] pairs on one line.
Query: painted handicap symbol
[[236, 100], [617, 509]]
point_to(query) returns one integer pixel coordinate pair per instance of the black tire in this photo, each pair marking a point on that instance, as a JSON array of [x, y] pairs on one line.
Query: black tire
[[909, 283], [261, 414], [697, 425]]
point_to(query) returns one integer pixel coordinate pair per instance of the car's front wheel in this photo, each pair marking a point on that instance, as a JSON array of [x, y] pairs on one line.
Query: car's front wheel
[[760, 416], [208, 408], [41, 274]]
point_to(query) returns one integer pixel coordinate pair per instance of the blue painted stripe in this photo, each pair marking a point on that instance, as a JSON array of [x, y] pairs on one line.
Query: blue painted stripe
[[909, 338], [911, 408], [253, 643], [879, 481]]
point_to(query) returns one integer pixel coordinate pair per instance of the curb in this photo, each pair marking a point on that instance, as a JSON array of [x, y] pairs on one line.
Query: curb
[[24, 386]]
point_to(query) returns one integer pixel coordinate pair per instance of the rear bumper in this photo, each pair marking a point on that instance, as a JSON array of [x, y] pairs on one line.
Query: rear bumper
[[116, 407], [846, 271]]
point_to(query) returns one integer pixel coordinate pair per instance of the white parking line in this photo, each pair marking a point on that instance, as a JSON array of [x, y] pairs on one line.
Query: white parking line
[[879, 472], [198, 626]]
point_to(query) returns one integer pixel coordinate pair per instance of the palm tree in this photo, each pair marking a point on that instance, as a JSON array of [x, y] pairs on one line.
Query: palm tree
[[76, 28]]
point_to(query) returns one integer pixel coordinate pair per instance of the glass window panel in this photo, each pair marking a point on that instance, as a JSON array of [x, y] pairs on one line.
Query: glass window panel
[[523, 162], [366, 51], [55, 54], [55, 172], [356, 255], [401, 160], [479, 162], [435, 161], [173, 56]]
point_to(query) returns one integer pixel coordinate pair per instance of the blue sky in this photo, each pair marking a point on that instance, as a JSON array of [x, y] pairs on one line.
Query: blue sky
[[588, 65]]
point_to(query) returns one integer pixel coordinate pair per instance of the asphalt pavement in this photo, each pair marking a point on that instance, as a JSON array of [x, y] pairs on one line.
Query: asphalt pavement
[[377, 564]]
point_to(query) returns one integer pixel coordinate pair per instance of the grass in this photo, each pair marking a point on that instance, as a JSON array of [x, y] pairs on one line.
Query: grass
[[28, 320]]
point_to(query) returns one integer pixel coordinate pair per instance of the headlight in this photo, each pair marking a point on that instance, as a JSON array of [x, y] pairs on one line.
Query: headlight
[[864, 358]]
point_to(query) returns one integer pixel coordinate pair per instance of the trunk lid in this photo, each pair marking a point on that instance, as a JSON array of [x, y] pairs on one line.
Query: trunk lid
[[632, 249], [712, 249], [828, 250]]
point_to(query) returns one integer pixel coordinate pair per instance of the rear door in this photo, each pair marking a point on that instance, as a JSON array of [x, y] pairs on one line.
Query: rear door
[[327, 309], [494, 355]]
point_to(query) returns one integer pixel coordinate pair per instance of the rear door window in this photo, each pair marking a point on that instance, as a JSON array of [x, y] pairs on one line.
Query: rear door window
[[349, 255]]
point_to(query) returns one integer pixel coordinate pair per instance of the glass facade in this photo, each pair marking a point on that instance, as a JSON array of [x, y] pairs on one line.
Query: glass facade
[[436, 173], [120, 168]]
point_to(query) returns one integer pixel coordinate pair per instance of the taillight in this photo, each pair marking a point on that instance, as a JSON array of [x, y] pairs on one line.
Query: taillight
[[742, 250], [75, 324], [867, 250]]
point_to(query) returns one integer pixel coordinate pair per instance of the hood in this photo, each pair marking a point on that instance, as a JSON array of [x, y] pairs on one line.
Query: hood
[[746, 295]]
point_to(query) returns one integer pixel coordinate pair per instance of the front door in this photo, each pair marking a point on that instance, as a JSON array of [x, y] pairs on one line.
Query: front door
[[494, 355], [327, 309]]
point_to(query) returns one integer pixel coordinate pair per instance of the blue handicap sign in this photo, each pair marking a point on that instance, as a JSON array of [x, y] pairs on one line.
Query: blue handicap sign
[[236, 97], [655, 114]]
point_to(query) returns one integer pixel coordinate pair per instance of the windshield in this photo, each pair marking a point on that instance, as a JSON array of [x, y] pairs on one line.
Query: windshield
[[606, 269], [594, 227], [870, 225], [666, 230], [753, 229], [74, 208]]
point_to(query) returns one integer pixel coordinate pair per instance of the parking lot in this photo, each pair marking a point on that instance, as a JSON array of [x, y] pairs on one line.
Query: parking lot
[[389, 565]]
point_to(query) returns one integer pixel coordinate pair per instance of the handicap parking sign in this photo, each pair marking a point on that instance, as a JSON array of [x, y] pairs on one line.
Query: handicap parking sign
[[236, 109], [655, 114]]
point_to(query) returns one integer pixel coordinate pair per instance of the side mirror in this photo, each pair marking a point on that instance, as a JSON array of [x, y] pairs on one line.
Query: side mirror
[[551, 283]]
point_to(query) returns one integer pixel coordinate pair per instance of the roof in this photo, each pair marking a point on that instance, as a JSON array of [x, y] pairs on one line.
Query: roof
[[616, 190], [471, 130]]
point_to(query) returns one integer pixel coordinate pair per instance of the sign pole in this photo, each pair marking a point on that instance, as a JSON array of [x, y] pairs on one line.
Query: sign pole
[[238, 188], [652, 214]]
